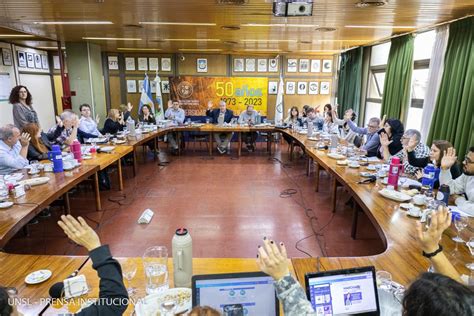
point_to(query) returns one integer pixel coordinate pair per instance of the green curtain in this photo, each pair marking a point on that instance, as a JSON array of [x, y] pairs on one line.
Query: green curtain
[[350, 80], [454, 109], [396, 90]]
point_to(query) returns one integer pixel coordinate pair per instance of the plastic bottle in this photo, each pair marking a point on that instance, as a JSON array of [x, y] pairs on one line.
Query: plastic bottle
[[443, 193], [429, 173], [56, 156], [76, 150], [394, 172], [182, 247]]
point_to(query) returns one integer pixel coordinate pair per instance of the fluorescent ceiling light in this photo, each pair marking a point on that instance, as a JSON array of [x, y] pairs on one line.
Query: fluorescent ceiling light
[[112, 38], [15, 35], [261, 50], [177, 23], [200, 49], [268, 41], [50, 47], [140, 49], [279, 25], [332, 40], [72, 22], [191, 40], [381, 26], [317, 51]]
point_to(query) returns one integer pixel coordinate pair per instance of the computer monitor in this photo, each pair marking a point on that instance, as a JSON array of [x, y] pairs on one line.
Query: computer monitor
[[343, 292]]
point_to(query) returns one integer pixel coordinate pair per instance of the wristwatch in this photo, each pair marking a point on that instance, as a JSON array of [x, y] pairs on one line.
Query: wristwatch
[[432, 254]]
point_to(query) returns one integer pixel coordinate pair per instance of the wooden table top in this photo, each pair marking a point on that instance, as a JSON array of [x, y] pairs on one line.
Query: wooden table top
[[103, 160]]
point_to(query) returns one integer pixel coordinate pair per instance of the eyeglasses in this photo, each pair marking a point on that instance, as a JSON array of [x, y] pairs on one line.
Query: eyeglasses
[[467, 160], [372, 126]]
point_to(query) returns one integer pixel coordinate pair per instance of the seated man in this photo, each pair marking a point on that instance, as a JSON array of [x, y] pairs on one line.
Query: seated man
[[250, 117], [372, 141], [65, 132], [462, 186], [87, 125], [13, 149], [219, 117], [313, 118], [113, 296], [175, 114]]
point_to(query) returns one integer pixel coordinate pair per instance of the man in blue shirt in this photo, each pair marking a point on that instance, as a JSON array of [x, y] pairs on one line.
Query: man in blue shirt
[[220, 116], [176, 115], [372, 142], [13, 149]]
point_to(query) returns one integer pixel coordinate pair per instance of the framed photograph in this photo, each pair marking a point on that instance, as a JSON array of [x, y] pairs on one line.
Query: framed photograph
[[131, 86], [313, 87], [302, 87], [153, 86], [140, 85], [201, 65], [7, 57], [57, 64], [304, 65], [130, 63], [38, 61], [165, 64], [325, 87], [261, 65], [238, 64], [142, 63], [165, 86], [273, 65], [327, 67], [153, 63], [22, 59], [44, 61], [315, 65], [290, 87], [249, 65], [30, 60], [292, 65], [113, 62], [273, 87]]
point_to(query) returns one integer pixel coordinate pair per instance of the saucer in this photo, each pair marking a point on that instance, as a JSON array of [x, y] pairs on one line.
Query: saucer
[[6, 204], [38, 276]]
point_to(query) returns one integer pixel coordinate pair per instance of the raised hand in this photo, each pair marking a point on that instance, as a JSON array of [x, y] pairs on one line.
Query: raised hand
[[382, 121], [419, 174], [384, 141], [449, 158], [79, 232], [429, 238], [412, 143], [59, 121], [97, 118], [272, 259], [25, 139]]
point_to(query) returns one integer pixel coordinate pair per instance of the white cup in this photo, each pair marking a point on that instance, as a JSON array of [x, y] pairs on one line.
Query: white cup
[[48, 167], [414, 211], [419, 199]]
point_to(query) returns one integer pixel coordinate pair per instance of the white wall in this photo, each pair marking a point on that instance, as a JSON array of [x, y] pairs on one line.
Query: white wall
[[6, 108]]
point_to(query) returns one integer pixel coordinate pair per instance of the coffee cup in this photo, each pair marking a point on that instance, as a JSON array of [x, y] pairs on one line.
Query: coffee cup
[[353, 164], [414, 211], [419, 199]]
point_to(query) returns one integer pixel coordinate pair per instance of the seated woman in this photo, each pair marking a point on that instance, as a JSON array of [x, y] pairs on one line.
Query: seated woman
[[39, 143], [432, 294], [347, 134], [390, 138], [146, 116], [292, 120], [329, 126], [114, 122], [87, 125]]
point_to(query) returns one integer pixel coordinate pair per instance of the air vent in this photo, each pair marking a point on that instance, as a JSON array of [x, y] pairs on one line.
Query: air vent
[[232, 2], [370, 3], [325, 29], [230, 27], [231, 42], [306, 42], [136, 26]]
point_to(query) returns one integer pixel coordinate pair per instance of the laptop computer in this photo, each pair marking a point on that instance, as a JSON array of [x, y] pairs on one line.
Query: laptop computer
[[236, 294], [343, 292]]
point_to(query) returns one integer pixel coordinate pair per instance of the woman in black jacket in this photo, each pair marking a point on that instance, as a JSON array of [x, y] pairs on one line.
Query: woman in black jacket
[[390, 139], [114, 122], [145, 115], [39, 143]]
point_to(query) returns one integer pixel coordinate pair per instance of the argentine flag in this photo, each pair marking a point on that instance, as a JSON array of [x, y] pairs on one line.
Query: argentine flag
[[159, 114], [279, 102], [146, 97]]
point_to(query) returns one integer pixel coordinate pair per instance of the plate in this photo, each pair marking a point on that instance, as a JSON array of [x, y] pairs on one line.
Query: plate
[[415, 209], [371, 167], [35, 181], [86, 157], [354, 166], [150, 304], [395, 195], [366, 174], [303, 132], [406, 206], [313, 138], [32, 173], [120, 141], [336, 156], [14, 177], [38, 276], [107, 149], [6, 204], [97, 140], [341, 162]]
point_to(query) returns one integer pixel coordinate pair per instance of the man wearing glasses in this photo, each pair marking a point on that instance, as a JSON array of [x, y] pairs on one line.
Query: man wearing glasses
[[372, 142], [463, 186]]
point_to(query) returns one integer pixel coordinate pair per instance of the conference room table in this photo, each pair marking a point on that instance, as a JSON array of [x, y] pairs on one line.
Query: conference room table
[[402, 256]]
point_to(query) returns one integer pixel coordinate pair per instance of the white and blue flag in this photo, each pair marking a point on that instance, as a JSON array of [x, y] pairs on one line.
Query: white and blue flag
[[159, 114], [146, 97]]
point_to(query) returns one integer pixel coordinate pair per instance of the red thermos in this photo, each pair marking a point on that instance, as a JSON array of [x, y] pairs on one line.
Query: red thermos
[[394, 172], [75, 148]]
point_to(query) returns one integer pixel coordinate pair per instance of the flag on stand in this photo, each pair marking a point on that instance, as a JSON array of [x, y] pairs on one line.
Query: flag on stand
[[159, 114], [146, 97], [279, 103]]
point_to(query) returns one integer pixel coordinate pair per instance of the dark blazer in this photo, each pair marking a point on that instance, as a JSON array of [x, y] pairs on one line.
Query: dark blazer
[[214, 115], [35, 154], [151, 119], [82, 136], [111, 127]]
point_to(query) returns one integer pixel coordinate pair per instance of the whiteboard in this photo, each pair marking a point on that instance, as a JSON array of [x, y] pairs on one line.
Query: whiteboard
[[5, 87]]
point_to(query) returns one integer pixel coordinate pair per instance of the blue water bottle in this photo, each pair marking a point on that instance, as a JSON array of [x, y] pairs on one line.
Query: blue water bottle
[[56, 156], [429, 176]]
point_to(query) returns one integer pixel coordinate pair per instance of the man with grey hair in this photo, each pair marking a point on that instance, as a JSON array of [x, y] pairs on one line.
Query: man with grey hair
[[65, 131], [13, 149], [220, 116], [372, 142], [416, 145]]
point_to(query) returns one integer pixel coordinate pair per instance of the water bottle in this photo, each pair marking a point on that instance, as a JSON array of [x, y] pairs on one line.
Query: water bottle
[[257, 118], [428, 180], [56, 156], [182, 245], [131, 126], [310, 128], [76, 150], [443, 193], [394, 172]]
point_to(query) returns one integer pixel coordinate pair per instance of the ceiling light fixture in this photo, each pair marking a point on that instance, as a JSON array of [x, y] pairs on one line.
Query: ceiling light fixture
[[72, 22], [268, 41], [112, 38], [200, 49], [138, 49], [381, 26], [15, 35], [318, 51], [178, 23], [261, 50], [191, 40], [279, 25], [50, 47]]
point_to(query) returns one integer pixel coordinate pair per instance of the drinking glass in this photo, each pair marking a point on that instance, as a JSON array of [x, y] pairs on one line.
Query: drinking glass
[[429, 198], [470, 245], [34, 167], [460, 222], [129, 269], [384, 280], [155, 260]]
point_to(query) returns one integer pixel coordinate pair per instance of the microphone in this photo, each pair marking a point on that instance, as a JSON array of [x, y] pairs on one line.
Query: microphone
[[57, 289]]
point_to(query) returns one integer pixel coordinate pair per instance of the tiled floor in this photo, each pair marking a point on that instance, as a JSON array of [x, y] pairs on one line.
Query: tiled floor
[[227, 204]]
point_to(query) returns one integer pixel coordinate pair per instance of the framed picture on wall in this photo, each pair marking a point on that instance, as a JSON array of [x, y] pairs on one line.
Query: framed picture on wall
[[30, 60], [57, 64], [38, 61], [273, 87], [290, 87], [238, 64], [130, 63], [313, 87], [201, 65], [249, 65], [304, 65], [142, 63], [140, 85], [325, 86], [7, 57], [273, 65], [131, 86], [315, 65], [262, 65], [165, 86], [153, 63], [327, 66], [22, 59], [165, 64], [302, 87], [292, 65], [153, 86], [113, 62], [44, 61]]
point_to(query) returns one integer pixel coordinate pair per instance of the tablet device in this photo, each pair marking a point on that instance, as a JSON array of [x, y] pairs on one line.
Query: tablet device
[[236, 294], [343, 292]]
